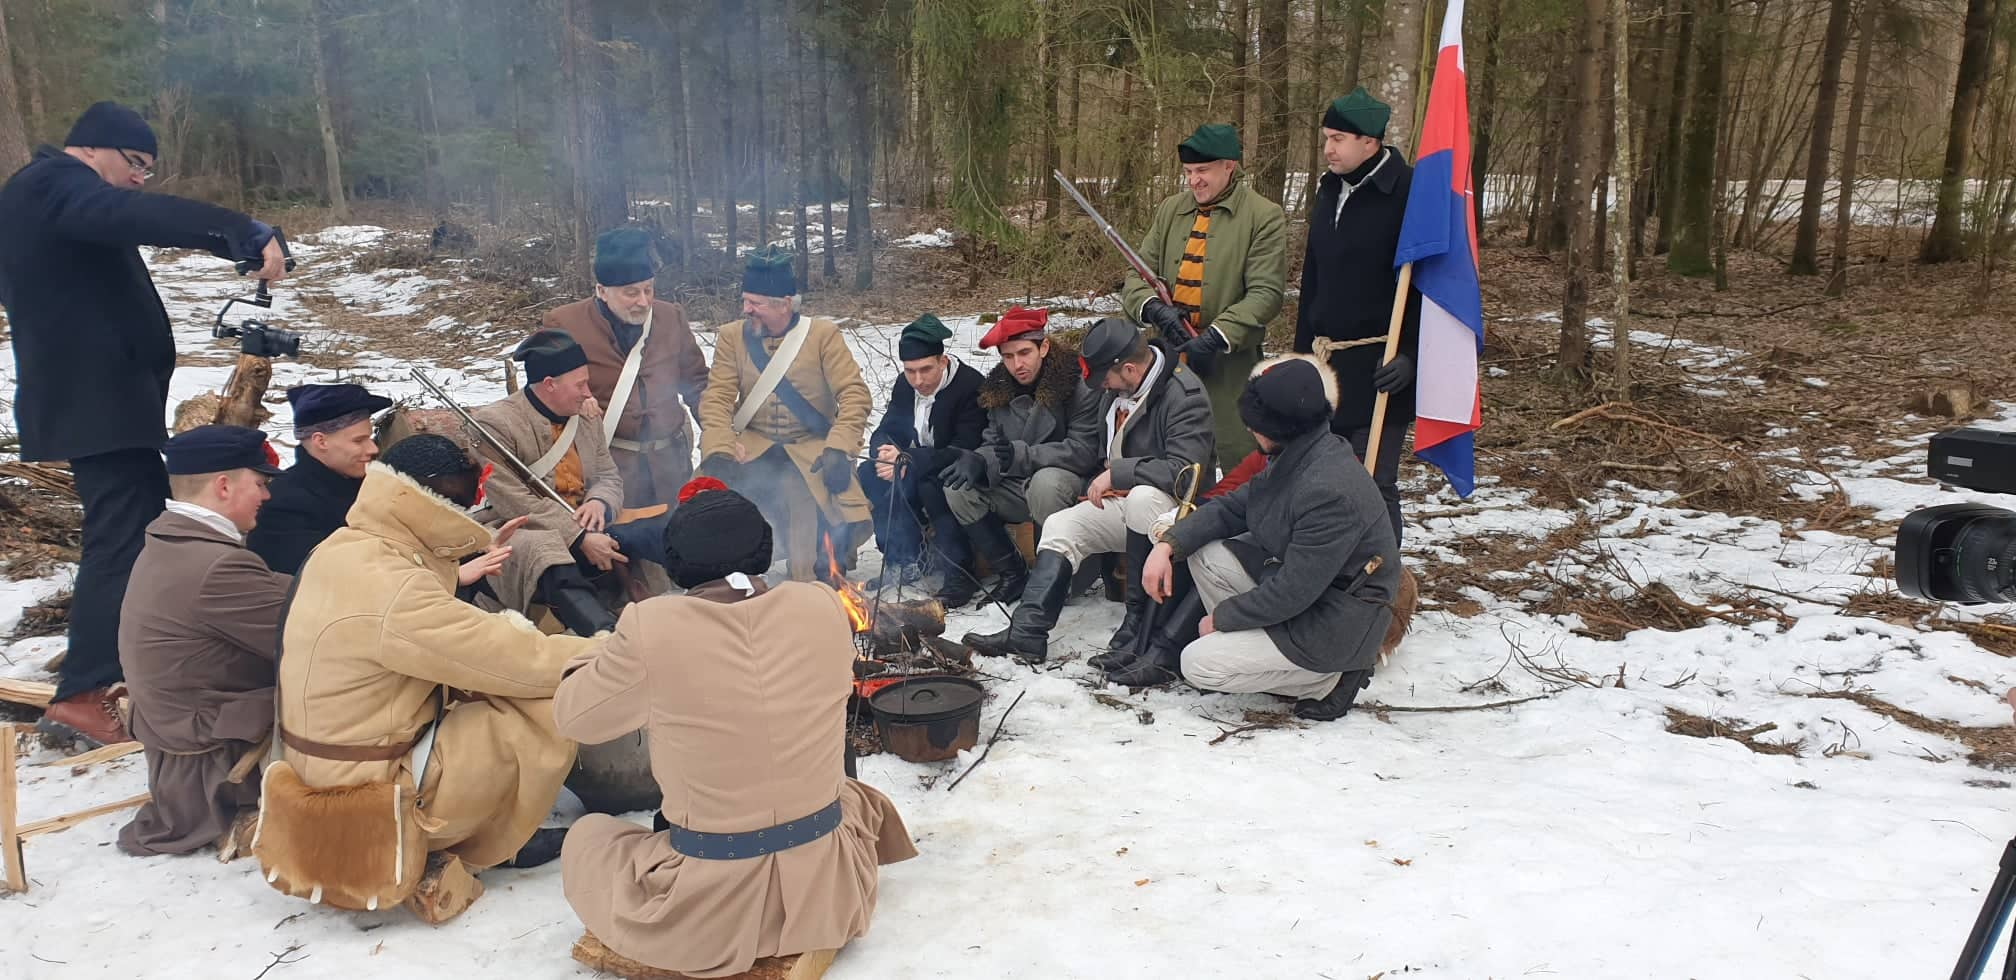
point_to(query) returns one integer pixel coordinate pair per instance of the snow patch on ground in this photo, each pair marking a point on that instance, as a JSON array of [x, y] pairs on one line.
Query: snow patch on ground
[[940, 238]]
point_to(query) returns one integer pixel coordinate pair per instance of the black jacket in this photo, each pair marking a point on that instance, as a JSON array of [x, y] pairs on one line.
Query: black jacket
[[1312, 519], [92, 347], [1051, 423], [310, 501], [1173, 430], [1347, 286], [956, 420]]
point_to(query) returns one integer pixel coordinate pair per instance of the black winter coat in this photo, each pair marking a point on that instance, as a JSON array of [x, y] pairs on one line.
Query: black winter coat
[[1312, 519], [1347, 286], [92, 346], [956, 420], [310, 501]]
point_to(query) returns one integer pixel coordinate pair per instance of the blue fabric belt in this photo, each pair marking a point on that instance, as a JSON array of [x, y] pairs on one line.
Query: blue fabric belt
[[755, 843]]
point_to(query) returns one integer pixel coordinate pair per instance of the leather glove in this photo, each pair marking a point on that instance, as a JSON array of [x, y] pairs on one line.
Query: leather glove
[[1163, 317], [1004, 456], [833, 470], [1394, 375], [965, 471]]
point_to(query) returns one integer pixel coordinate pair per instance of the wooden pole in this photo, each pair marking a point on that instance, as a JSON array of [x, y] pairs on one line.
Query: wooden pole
[[10, 838], [1392, 347]]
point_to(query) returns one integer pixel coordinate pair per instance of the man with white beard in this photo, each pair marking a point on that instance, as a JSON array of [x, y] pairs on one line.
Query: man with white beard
[[647, 401]]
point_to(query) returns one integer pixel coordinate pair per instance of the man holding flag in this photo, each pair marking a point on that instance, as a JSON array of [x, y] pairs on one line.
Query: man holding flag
[[1348, 285]]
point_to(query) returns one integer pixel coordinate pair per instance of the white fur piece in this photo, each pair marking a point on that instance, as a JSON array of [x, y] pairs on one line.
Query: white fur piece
[[1322, 367], [398, 850], [259, 825], [378, 467], [518, 621], [316, 897], [273, 876], [372, 905]]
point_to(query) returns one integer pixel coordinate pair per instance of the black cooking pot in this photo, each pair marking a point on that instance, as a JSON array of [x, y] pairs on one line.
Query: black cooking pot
[[929, 717]]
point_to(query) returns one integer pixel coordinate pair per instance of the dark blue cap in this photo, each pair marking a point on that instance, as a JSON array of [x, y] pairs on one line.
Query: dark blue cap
[[111, 125], [316, 406], [219, 448]]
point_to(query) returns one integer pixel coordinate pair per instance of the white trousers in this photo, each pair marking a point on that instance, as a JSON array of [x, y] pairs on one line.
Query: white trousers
[[1082, 530], [1247, 661]]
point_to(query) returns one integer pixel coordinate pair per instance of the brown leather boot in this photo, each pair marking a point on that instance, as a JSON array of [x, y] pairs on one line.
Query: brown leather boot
[[91, 717]]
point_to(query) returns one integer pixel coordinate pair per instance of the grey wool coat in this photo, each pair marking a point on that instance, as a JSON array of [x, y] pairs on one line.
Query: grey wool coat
[[1054, 424], [1304, 528], [1167, 431]]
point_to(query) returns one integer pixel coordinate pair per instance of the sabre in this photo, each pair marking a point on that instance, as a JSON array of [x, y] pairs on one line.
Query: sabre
[[511, 461], [1134, 259], [1186, 504]]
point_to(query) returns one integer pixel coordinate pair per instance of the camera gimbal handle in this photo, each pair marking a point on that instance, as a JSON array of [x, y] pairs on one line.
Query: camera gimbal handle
[[263, 296]]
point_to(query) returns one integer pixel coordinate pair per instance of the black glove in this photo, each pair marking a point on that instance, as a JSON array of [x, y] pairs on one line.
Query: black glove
[[833, 470], [1163, 317], [1004, 456], [965, 471], [1394, 375], [1207, 343], [720, 466]]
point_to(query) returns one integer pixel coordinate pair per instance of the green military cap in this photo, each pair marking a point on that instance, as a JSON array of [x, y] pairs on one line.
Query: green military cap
[[1211, 141], [768, 273], [1359, 114], [924, 337]]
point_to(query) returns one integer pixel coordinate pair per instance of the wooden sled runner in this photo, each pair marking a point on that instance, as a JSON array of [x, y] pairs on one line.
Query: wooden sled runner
[[805, 966]]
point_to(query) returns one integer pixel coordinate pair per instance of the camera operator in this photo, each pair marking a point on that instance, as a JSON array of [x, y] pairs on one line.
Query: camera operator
[[93, 353]]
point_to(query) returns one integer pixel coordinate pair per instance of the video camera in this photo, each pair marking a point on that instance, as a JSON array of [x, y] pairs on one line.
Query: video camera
[[1963, 553], [256, 337]]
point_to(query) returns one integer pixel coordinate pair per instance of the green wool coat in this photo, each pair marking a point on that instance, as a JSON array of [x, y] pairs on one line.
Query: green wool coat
[[1245, 277]]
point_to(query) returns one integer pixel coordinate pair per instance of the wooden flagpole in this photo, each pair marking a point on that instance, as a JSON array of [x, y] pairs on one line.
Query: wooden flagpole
[[1392, 347]]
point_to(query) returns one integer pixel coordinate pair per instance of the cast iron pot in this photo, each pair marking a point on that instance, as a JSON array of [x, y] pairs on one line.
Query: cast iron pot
[[928, 718]]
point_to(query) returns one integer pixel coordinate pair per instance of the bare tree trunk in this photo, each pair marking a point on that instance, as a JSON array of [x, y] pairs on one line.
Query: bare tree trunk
[[1945, 242], [830, 263], [1625, 166], [1486, 109], [729, 213], [860, 227], [1270, 149], [800, 233], [757, 58], [1599, 257], [1398, 67], [1851, 149], [1675, 155], [1574, 356], [1806, 244], [1697, 202], [678, 144], [574, 209], [1319, 47], [332, 162], [1354, 44], [1053, 157], [13, 135], [1077, 80], [1242, 20]]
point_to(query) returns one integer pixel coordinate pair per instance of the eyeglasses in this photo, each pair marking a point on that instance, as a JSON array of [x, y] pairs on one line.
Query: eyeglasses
[[139, 166]]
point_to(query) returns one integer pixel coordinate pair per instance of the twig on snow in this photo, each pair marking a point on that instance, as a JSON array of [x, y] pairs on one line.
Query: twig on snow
[[1377, 706], [280, 958], [990, 741]]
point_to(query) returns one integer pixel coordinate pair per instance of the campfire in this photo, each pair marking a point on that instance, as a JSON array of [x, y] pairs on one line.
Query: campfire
[[893, 639]]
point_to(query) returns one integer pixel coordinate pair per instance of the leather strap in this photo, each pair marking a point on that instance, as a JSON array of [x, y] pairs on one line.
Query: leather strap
[[619, 397], [633, 446], [754, 843], [545, 464], [351, 753], [773, 375]]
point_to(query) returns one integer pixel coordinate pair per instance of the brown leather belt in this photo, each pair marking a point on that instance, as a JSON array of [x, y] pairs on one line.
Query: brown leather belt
[[348, 753]]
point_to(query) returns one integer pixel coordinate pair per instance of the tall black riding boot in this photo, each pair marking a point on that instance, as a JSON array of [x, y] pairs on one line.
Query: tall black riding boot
[[991, 541], [1338, 702], [1027, 637], [1162, 660], [1120, 649], [574, 602]]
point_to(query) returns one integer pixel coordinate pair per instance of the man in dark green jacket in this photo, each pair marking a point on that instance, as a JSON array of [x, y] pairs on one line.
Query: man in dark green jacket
[[1222, 250]]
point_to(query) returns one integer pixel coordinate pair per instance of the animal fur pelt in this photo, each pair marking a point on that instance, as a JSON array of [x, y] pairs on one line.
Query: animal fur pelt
[[1404, 606], [1056, 381], [353, 847]]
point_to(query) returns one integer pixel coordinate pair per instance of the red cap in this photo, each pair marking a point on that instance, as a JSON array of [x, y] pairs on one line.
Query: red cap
[[1014, 323], [698, 485]]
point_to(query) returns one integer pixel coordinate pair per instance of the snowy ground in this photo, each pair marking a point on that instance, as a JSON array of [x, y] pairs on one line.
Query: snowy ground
[[1127, 836]]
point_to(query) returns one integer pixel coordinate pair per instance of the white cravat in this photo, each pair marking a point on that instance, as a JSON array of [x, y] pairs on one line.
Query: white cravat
[[921, 415], [1128, 403], [208, 517], [1344, 190]]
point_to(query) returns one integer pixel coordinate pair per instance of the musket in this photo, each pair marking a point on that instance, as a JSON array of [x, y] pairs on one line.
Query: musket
[[1134, 259], [490, 440]]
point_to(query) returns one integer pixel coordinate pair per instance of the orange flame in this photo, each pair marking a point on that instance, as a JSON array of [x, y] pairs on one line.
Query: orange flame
[[850, 594]]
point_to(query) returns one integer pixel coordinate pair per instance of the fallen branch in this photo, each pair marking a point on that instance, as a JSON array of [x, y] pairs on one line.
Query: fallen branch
[[1377, 706], [1225, 733], [1668, 468], [280, 958], [989, 747]]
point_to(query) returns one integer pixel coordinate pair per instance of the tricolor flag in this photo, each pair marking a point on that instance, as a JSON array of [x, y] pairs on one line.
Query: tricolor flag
[[1439, 235]]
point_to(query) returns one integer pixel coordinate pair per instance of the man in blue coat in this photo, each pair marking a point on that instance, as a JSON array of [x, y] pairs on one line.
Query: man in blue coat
[[92, 356], [934, 410]]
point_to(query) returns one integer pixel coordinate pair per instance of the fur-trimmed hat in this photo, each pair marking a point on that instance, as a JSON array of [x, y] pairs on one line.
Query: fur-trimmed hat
[[1288, 396]]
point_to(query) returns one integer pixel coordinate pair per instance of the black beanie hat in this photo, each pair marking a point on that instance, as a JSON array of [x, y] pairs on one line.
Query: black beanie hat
[[428, 456], [113, 126], [768, 273], [1285, 400], [713, 535], [549, 352], [623, 256]]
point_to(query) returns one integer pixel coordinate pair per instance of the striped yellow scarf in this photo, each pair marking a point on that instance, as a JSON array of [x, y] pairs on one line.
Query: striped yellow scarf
[[1188, 289]]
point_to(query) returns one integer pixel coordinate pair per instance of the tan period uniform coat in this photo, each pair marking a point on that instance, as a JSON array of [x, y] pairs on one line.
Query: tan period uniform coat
[[196, 638], [744, 702], [826, 374], [654, 420], [376, 632], [544, 542]]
